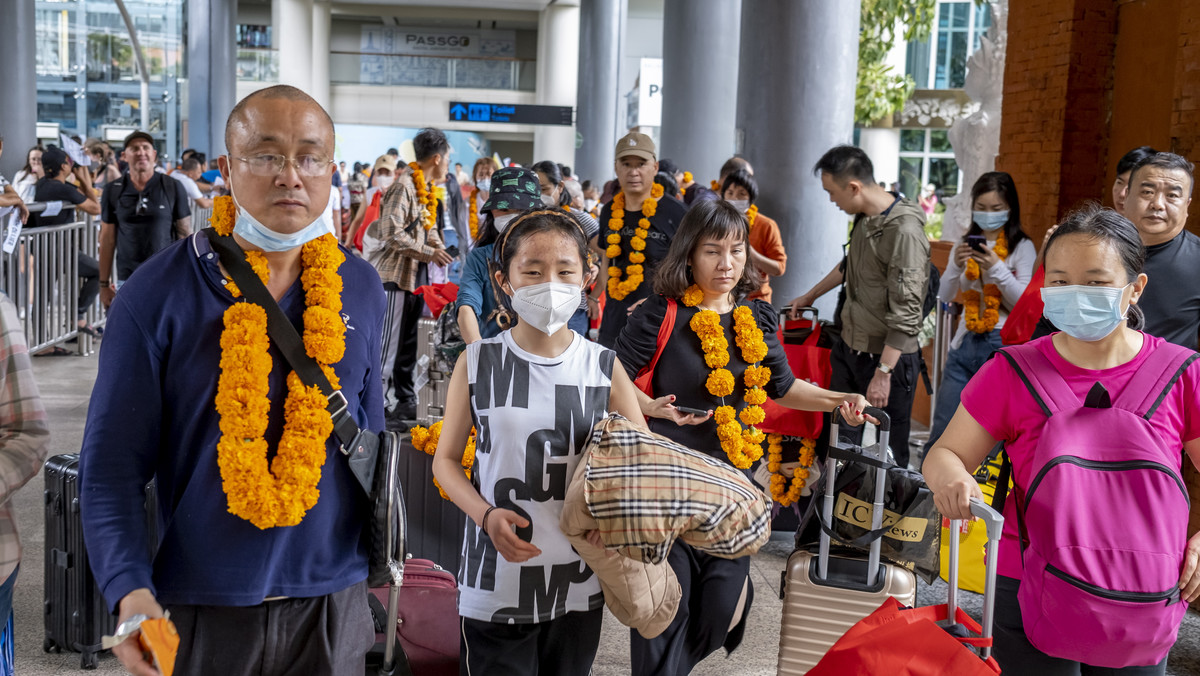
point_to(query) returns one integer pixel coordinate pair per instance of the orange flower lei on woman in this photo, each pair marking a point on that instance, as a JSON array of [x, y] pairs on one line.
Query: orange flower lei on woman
[[424, 195], [427, 440], [751, 215], [617, 288], [716, 187], [687, 178], [281, 492], [991, 294], [780, 491], [473, 214], [743, 446]]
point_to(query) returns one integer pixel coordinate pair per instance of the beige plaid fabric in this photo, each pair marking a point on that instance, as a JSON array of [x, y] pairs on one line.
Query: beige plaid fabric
[[24, 434], [406, 242], [645, 490]]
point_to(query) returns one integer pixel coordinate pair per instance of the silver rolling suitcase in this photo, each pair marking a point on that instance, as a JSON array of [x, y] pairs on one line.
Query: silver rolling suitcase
[[429, 381], [824, 595]]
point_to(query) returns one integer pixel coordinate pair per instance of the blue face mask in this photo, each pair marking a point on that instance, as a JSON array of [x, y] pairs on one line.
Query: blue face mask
[[253, 231], [1086, 313], [990, 220]]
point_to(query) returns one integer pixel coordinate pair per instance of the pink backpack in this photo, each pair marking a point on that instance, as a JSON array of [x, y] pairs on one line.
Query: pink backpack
[[1103, 522]]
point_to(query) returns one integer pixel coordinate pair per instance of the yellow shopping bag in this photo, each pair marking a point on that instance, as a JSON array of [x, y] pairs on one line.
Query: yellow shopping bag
[[972, 535]]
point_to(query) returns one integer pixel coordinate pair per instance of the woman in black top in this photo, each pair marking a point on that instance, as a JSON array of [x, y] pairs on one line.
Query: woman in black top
[[706, 268]]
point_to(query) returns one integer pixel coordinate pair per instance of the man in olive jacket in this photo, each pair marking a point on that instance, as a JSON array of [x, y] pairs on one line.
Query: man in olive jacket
[[886, 273]]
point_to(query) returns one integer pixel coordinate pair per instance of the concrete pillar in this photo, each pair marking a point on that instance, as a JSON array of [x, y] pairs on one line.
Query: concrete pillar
[[700, 75], [294, 30], [212, 73], [320, 52], [799, 59], [883, 146], [601, 41], [18, 72], [557, 73]]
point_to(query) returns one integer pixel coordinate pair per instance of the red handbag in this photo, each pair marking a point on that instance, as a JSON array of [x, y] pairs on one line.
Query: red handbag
[[438, 296], [644, 376], [809, 361], [427, 625], [1023, 319], [902, 641]]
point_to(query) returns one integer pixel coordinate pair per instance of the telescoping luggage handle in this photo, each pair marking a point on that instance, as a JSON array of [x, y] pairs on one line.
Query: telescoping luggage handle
[[994, 522], [877, 453]]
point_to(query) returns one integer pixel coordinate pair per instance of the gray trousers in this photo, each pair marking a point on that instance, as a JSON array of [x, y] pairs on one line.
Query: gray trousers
[[322, 636]]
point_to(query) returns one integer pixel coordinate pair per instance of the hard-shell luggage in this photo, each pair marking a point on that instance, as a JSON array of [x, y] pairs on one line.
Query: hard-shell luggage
[[435, 525], [972, 534], [825, 595], [430, 380], [76, 614], [426, 624]]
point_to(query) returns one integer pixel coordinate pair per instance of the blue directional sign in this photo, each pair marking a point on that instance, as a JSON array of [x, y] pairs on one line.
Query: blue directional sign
[[512, 114]]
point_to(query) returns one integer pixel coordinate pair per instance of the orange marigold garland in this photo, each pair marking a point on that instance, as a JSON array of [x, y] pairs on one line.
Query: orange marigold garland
[[781, 492], [618, 288], [427, 440], [688, 179], [425, 195], [716, 187], [751, 216], [473, 214], [281, 492], [742, 446], [981, 312]]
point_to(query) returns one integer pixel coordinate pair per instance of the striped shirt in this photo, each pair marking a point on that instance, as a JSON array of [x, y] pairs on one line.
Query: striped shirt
[[24, 433]]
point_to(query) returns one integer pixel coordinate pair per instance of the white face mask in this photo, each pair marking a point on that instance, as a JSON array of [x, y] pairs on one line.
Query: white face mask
[[549, 200], [384, 182], [252, 230], [484, 184], [546, 307], [502, 222], [740, 205]]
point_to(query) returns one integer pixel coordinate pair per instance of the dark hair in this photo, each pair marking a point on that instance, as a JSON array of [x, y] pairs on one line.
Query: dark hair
[[1110, 227], [668, 167], [554, 175], [532, 222], [190, 163], [393, 152], [704, 221], [429, 142], [1001, 183], [487, 230], [566, 171], [742, 178], [51, 169], [1169, 161], [188, 153], [667, 181], [1130, 160], [587, 184], [733, 164], [845, 163]]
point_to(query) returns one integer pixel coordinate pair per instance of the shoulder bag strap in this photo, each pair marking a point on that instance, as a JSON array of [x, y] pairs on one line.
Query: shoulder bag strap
[[664, 334], [281, 330]]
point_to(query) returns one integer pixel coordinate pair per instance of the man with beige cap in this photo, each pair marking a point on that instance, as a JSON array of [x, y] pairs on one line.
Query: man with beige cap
[[628, 281]]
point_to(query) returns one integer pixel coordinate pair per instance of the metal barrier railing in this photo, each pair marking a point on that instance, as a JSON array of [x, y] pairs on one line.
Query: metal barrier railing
[[200, 216], [40, 274], [945, 324]]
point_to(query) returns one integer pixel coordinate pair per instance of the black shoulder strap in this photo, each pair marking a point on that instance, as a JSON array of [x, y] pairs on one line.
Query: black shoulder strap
[[281, 330]]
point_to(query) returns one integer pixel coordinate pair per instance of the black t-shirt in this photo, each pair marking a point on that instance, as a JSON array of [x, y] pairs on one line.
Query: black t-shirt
[[52, 190], [145, 220], [681, 370], [1171, 301], [663, 225]]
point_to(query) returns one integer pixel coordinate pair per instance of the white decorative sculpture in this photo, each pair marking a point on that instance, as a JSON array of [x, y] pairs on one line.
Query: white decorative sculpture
[[976, 138]]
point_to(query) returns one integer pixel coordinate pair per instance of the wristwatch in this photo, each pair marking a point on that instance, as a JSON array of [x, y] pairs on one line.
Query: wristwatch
[[105, 283], [884, 368]]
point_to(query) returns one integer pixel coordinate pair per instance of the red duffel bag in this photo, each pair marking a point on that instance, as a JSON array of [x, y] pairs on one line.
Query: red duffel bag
[[808, 356]]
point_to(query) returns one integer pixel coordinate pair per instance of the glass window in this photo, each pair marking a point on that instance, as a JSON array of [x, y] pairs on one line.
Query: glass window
[[943, 173], [912, 140], [939, 141], [910, 176], [941, 63]]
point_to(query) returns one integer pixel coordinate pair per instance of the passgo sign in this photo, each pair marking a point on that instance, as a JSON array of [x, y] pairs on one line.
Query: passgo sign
[[418, 41]]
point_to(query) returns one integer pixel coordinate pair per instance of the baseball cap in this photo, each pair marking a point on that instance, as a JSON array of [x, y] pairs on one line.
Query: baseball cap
[[53, 159], [637, 144], [384, 162], [514, 188], [138, 135]]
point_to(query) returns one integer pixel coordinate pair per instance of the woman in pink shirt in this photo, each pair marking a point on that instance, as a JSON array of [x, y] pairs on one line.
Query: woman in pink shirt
[[1093, 282]]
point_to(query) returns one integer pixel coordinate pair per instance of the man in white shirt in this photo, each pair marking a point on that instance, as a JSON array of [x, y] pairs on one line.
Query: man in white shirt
[[188, 173]]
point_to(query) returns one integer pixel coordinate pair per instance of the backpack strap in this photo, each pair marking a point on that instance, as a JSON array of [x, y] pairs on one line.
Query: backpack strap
[[1152, 382], [664, 334], [1041, 378]]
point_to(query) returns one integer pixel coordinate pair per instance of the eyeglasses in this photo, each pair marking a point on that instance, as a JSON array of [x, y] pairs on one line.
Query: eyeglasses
[[273, 165]]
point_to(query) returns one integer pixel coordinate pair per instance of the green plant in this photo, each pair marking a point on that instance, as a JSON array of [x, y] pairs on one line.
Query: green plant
[[880, 90], [933, 222]]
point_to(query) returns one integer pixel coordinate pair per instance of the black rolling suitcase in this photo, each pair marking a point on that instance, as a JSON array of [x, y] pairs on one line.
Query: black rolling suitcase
[[76, 613]]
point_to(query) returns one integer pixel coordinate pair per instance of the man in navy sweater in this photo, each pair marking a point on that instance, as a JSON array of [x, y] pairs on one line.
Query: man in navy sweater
[[277, 599]]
